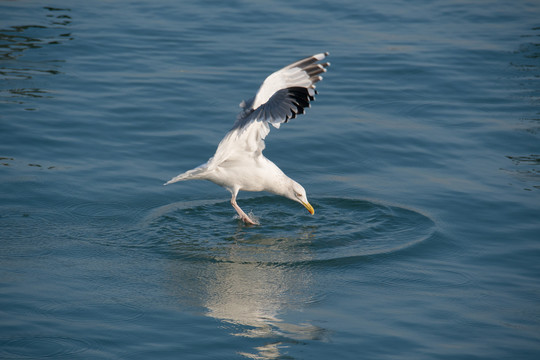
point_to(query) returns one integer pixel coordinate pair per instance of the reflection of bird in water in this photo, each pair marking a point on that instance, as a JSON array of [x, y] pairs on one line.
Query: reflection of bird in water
[[253, 284], [238, 163], [251, 296]]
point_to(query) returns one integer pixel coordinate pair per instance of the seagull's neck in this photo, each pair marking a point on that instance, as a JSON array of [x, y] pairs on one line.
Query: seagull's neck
[[281, 184]]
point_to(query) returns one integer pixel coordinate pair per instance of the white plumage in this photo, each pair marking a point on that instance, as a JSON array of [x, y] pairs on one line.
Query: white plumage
[[238, 163]]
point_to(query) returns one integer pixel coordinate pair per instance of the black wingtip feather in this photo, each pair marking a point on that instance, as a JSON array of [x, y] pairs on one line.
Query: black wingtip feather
[[300, 99], [287, 103]]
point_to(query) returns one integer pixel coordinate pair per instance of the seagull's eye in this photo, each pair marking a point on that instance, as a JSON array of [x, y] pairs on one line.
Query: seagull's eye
[[298, 195]]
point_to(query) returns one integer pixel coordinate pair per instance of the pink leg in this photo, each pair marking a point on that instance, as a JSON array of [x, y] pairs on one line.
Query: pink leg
[[241, 213]]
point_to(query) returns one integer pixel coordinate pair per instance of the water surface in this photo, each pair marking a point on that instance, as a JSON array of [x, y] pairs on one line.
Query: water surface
[[420, 156]]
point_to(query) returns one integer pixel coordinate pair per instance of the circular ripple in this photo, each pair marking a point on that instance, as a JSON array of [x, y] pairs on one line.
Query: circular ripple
[[340, 229], [414, 275], [24, 233], [102, 223], [39, 347], [108, 312], [100, 210]]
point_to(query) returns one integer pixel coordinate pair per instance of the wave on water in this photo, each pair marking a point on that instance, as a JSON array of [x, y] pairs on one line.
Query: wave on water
[[340, 229]]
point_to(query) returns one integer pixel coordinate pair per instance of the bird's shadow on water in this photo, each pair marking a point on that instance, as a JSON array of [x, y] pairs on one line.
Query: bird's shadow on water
[[251, 277]]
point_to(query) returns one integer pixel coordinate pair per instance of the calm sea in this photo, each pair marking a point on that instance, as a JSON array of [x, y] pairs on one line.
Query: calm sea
[[421, 156]]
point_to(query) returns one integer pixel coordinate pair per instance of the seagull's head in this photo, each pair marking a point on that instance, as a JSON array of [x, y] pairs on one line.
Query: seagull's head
[[297, 193]]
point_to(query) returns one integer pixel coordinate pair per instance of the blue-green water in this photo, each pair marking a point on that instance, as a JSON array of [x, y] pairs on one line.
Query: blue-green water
[[420, 156]]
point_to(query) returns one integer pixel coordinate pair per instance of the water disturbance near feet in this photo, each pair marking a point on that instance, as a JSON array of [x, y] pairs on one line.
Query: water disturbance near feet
[[340, 229]]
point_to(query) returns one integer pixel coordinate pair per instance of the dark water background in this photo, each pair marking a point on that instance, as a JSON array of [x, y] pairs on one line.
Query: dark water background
[[420, 156]]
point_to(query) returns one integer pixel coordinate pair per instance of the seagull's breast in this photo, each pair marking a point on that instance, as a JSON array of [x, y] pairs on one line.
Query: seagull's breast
[[258, 174]]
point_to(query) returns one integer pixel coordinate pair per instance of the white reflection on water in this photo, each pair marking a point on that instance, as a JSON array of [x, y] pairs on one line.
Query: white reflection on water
[[250, 297]]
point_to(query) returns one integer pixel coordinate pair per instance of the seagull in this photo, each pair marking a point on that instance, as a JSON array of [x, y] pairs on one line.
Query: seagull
[[238, 163]]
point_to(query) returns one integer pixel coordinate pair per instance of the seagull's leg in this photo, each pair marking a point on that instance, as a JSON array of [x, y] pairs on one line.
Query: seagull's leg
[[241, 213]]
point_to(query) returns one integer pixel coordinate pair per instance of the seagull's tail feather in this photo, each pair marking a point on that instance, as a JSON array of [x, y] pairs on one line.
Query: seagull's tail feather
[[189, 175]]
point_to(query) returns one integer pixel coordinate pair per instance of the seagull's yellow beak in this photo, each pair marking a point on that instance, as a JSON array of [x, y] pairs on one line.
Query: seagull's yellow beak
[[309, 207]]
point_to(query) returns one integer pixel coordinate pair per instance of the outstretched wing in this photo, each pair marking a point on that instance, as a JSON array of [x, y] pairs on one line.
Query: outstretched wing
[[283, 95]]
